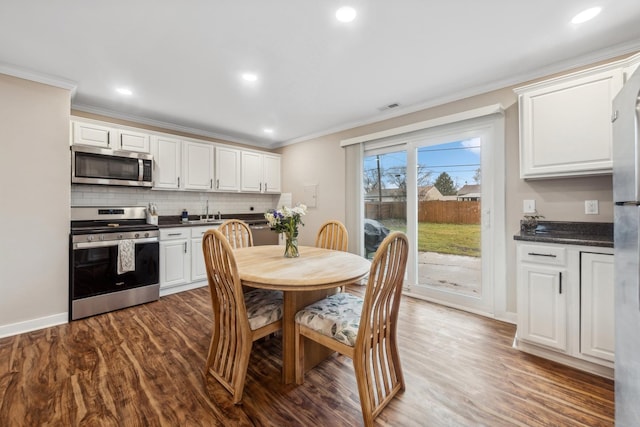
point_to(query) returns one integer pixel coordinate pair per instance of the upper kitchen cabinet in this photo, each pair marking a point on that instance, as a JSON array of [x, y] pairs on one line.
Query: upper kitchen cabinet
[[260, 172], [227, 169], [98, 135], [167, 158], [197, 165], [565, 124]]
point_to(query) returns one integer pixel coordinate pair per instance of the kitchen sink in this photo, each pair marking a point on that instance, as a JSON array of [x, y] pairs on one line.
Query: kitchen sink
[[206, 221]]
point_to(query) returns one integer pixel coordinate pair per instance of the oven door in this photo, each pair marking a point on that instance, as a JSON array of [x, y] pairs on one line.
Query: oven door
[[94, 268]]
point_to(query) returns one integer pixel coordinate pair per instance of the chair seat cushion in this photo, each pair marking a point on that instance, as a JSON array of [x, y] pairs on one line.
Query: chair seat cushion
[[337, 316], [263, 307]]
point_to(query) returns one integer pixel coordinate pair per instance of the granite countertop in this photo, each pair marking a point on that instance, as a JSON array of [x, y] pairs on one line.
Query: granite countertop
[[170, 221], [571, 233]]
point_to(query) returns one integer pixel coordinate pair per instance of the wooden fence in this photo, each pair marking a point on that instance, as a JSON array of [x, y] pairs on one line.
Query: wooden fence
[[433, 211]]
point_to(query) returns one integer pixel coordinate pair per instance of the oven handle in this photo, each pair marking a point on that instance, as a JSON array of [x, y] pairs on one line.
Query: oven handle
[[101, 244]]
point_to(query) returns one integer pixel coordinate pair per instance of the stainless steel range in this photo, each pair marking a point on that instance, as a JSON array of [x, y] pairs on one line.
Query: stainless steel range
[[114, 260]]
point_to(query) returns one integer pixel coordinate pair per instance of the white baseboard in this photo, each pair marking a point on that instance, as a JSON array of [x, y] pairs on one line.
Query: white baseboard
[[181, 288], [33, 324]]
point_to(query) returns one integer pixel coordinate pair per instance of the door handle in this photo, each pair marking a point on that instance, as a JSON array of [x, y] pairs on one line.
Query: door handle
[[560, 287]]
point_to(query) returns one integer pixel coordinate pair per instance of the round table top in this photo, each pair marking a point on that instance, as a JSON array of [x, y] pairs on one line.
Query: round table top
[[266, 267]]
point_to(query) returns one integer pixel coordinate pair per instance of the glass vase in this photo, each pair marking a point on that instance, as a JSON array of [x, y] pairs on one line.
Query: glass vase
[[291, 245]]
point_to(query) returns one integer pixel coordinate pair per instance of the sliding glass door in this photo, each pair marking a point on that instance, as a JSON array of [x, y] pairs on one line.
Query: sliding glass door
[[439, 187]]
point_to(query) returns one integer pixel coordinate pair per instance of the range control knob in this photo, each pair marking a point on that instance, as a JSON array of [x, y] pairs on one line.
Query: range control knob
[[146, 234], [90, 238], [136, 235], [120, 236], [102, 237]]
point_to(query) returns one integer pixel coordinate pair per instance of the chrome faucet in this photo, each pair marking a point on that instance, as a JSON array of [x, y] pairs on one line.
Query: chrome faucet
[[219, 216], [207, 211]]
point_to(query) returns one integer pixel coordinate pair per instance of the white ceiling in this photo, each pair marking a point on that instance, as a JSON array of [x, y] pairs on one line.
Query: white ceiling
[[183, 58]]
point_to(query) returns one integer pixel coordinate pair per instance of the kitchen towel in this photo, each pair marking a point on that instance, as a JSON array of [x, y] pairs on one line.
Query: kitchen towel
[[126, 256]]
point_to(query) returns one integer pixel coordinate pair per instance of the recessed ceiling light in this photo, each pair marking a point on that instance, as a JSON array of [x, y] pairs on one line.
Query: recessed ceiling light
[[268, 130], [346, 14], [250, 77], [124, 91], [586, 15]]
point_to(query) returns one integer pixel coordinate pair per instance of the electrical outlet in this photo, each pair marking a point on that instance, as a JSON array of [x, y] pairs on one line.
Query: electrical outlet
[[591, 207], [528, 206]]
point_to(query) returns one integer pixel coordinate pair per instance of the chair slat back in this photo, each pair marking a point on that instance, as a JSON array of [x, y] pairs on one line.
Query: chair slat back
[[231, 331], [376, 341], [237, 233], [333, 235]]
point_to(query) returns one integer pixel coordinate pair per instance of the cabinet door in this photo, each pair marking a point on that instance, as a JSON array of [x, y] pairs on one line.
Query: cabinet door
[[227, 169], [271, 173], [197, 166], [133, 141], [198, 267], [565, 127], [95, 135], [542, 306], [174, 263], [167, 164], [597, 306], [251, 171]]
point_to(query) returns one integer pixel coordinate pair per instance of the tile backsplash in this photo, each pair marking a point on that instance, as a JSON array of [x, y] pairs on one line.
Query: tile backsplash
[[172, 202]]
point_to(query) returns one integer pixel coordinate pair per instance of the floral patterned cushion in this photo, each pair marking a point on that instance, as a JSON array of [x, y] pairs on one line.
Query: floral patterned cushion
[[263, 307], [337, 316]]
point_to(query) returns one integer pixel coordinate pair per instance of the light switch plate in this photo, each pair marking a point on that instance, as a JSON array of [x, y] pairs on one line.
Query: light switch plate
[[528, 206], [591, 207]]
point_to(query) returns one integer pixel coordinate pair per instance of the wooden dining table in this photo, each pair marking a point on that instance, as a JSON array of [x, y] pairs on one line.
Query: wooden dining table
[[310, 277]]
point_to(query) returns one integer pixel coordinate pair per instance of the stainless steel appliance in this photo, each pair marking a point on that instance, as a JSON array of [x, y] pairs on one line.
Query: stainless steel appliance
[[98, 242], [626, 196], [94, 165], [262, 233]]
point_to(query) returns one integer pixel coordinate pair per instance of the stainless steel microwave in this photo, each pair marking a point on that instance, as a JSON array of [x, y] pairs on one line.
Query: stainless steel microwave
[[94, 165]]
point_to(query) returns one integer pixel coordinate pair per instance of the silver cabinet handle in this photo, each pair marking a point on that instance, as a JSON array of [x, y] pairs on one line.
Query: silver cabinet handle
[[211, 183], [547, 255], [178, 182], [218, 183], [174, 234], [261, 187], [185, 247], [265, 187]]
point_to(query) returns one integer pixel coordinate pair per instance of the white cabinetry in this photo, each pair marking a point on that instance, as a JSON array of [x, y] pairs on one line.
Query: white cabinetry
[[92, 134], [167, 155], [174, 257], [542, 304], [182, 264], [565, 304], [198, 267], [597, 306], [227, 169], [565, 124], [98, 135], [197, 165], [261, 172]]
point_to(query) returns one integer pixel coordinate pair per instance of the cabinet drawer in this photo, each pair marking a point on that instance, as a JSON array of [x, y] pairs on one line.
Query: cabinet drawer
[[198, 232], [543, 254], [175, 233]]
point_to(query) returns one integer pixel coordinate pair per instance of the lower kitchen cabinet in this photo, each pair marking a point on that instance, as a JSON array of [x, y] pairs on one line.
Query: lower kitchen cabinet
[[597, 324], [565, 304], [182, 264]]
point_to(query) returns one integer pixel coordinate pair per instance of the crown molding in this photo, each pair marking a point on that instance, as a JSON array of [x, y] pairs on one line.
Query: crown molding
[[26, 74]]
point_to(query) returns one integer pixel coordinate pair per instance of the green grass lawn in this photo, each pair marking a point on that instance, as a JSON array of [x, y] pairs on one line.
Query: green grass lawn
[[455, 239]]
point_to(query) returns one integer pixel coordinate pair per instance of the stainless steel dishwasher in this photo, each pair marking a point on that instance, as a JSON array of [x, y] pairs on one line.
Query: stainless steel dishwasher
[[262, 234]]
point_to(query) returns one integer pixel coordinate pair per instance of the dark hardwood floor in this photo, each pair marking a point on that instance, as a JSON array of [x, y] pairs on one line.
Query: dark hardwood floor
[[142, 366]]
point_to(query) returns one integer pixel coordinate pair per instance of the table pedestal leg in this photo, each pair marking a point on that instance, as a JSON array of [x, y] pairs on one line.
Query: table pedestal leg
[[314, 353]]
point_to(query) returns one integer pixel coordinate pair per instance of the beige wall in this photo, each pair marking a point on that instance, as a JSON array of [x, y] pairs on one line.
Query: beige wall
[[321, 161], [34, 193]]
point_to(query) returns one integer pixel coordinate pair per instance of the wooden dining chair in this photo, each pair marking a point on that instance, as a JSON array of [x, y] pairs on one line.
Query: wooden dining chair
[[237, 232], [238, 319], [363, 329], [333, 235]]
